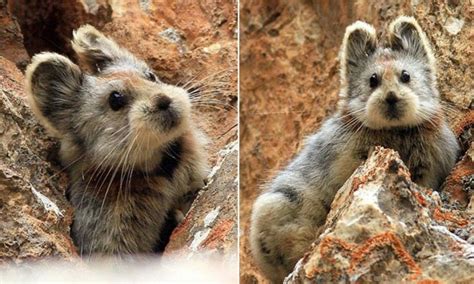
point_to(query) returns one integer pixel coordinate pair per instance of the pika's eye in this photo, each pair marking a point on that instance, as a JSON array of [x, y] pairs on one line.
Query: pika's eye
[[117, 100], [152, 77], [405, 77], [374, 81]]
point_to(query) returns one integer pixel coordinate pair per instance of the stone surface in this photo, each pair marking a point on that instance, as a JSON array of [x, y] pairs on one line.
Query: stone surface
[[11, 38], [192, 44], [384, 228], [48, 24], [211, 225], [289, 78], [34, 213], [460, 183]]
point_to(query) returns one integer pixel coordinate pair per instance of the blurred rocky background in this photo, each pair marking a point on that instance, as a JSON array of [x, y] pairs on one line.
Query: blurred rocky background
[[184, 41], [289, 84]]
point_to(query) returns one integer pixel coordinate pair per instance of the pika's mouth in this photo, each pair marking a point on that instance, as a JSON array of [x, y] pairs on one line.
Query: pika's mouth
[[166, 119], [393, 113], [386, 114], [393, 109], [169, 119]]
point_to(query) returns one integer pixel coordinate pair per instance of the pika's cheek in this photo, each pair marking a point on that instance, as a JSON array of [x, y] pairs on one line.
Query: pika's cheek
[[137, 116], [181, 103], [357, 108], [411, 105], [185, 106], [374, 105]]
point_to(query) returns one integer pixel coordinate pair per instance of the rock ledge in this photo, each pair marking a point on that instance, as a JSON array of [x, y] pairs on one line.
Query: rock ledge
[[382, 227]]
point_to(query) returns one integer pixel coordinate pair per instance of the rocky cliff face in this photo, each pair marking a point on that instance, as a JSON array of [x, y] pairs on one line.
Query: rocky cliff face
[[211, 224], [34, 214], [289, 83], [186, 43], [11, 38]]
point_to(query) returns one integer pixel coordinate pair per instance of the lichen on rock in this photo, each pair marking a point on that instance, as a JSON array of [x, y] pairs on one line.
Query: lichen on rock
[[211, 225], [382, 227], [34, 212]]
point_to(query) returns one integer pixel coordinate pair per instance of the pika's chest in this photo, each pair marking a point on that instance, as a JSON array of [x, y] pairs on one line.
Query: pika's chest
[[113, 187], [414, 149], [413, 146]]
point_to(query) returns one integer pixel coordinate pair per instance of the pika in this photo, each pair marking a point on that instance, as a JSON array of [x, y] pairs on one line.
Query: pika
[[132, 151], [388, 97]]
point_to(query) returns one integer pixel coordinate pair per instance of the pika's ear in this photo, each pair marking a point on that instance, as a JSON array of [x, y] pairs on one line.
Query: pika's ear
[[94, 49], [360, 41], [406, 34], [52, 85]]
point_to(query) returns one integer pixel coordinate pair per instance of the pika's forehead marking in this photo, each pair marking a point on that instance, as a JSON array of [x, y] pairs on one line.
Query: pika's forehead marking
[[385, 57], [126, 77]]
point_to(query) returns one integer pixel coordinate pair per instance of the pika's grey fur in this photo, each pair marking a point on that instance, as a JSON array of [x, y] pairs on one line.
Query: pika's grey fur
[[128, 141], [389, 109]]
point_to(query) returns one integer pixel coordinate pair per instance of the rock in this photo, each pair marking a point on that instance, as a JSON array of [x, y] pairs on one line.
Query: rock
[[47, 25], [459, 186], [34, 213], [211, 225], [382, 227], [11, 39], [453, 25]]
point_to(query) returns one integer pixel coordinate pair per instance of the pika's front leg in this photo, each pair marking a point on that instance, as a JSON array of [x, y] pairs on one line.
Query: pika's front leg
[[197, 181], [184, 203]]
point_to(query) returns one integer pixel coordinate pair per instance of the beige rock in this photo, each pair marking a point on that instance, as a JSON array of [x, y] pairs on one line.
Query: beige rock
[[384, 228], [211, 225], [11, 39], [34, 213]]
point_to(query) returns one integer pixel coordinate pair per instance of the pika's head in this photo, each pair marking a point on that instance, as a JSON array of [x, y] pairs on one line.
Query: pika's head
[[114, 106], [393, 85]]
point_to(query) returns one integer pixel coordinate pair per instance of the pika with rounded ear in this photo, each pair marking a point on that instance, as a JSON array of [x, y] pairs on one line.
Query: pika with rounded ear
[[406, 35], [129, 142], [388, 97], [359, 42]]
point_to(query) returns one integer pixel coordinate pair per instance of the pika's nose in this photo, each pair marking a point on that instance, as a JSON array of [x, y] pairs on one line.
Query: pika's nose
[[391, 99], [163, 102]]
